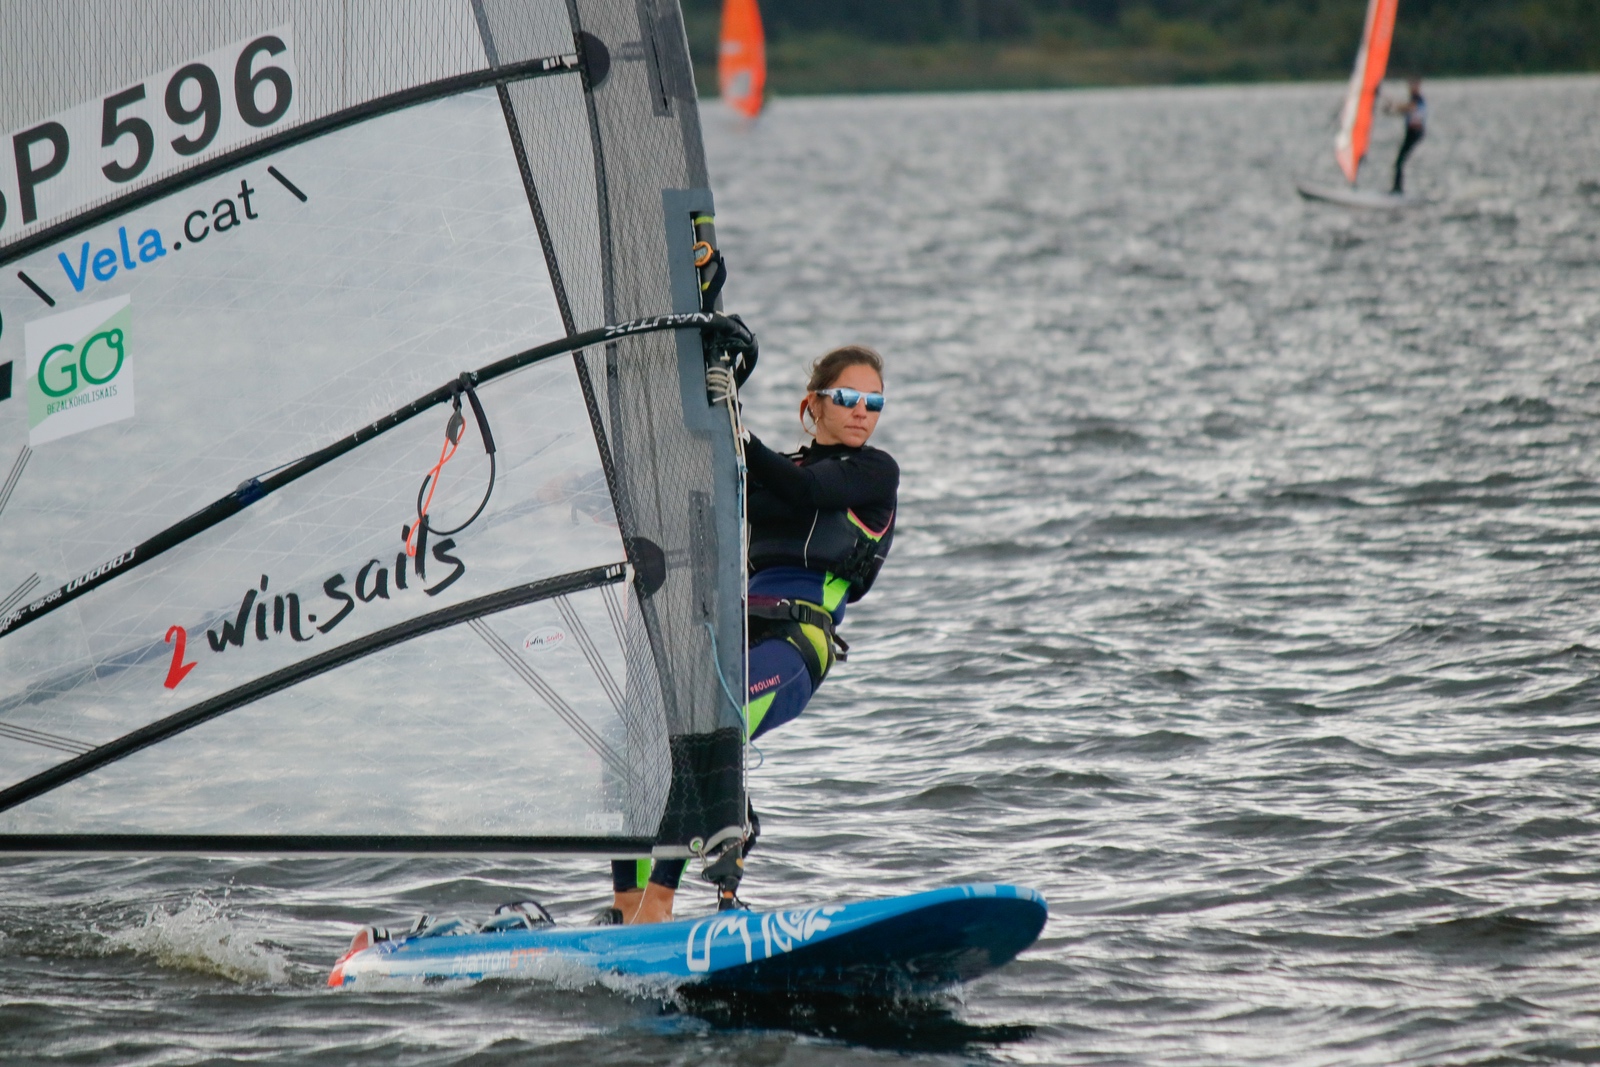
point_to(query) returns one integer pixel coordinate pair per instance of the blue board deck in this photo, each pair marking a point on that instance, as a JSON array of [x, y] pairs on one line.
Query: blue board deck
[[914, 943]]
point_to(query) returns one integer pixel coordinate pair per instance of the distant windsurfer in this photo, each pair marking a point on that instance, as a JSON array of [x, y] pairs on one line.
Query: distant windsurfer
[[821, 523], [1415, 111]]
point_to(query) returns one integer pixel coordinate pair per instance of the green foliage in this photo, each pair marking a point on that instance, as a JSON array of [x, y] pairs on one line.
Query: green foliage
[[846, 45]]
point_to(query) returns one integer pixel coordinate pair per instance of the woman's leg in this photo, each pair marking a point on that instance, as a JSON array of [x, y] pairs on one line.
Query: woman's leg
[[780, 686], [628, 879], [655, 905]]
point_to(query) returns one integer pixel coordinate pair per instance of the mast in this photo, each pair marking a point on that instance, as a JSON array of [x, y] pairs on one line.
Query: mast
[[1372, 59]]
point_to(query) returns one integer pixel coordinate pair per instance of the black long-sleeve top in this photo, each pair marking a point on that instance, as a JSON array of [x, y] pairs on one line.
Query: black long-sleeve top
[[788, 492]]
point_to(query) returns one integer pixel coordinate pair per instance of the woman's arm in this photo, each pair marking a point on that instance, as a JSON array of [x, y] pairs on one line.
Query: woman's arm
[[867, 477]]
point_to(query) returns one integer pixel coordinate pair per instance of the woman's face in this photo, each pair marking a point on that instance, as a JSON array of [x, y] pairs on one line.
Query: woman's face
[[837, 425]]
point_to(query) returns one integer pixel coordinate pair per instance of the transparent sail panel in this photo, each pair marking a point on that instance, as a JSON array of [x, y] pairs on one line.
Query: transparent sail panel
[[321, 563], [227, 330], [75, 64], [226, 398], [514, 724], [251, 341]]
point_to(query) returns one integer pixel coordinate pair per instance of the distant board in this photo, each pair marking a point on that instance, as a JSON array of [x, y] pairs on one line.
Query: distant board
[[1348, 197]]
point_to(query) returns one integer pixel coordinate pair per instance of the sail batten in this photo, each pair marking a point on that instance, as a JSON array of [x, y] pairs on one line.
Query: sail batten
[[308, 541], [322, 845]]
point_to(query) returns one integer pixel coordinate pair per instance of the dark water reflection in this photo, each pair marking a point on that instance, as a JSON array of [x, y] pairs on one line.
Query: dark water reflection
[[924, 1025]]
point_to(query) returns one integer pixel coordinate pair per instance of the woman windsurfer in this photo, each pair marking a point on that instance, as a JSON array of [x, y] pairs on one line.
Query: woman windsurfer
[[821, 523]]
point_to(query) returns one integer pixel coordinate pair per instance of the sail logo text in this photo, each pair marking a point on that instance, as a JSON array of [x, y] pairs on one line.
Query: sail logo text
[[124, 253], [266, 617], [98, 149], [546, 639]]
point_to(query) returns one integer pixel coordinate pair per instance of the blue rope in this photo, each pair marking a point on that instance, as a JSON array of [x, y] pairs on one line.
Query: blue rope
[[716, 660], [738, 710]]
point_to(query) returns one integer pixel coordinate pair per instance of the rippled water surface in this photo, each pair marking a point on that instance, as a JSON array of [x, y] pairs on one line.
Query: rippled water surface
[[1244, 602]]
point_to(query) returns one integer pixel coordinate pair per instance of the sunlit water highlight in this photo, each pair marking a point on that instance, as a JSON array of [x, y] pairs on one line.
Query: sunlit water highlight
[[1244, 604]]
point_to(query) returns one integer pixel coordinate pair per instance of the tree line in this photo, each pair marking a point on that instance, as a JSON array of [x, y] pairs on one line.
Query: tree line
[[1161, 40]]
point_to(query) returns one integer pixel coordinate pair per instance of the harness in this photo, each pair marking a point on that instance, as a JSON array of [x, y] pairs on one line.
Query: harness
[[837, 542], [808, 627], [852, 552], [860, 563]]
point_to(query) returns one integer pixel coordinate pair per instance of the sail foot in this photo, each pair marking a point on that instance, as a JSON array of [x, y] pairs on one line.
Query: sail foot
[[707, 793]]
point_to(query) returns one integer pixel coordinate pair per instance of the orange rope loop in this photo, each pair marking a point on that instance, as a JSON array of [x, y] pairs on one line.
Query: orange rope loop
[[432, 479]]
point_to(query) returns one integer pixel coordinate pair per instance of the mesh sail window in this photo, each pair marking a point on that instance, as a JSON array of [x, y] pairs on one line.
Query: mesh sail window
[[361, 489]]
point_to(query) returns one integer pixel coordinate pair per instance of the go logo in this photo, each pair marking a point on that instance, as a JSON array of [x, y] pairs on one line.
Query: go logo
[[79, 370], [102, 351]]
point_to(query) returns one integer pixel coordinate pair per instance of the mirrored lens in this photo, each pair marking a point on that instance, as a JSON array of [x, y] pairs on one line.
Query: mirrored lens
[[848, 398]]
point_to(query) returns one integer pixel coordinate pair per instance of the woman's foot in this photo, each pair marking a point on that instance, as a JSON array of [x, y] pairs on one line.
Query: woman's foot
[[627, 903], [656, 907]]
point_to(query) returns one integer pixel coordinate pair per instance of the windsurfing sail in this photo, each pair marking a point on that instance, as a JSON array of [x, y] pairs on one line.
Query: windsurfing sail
[[742, 57], [363, 490], [1372, 59]]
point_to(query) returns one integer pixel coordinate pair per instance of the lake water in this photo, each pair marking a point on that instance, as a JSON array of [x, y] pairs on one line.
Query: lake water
[[1244, 603]]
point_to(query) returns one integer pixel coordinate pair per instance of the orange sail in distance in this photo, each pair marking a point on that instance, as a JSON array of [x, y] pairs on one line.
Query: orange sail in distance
[[742, 57], [1355, 120]]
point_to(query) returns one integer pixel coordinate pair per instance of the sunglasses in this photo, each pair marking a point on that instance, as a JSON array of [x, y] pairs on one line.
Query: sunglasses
[[848, 398]]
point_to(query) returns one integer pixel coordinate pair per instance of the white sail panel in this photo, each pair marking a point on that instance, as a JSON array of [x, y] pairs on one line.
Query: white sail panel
[[336, 56], [326, 328], [209, 104], [436, 737], [277, 308], [412, 259]]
